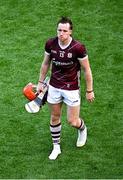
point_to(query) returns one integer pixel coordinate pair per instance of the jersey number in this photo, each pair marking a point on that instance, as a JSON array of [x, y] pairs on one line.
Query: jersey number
[[62, 54]]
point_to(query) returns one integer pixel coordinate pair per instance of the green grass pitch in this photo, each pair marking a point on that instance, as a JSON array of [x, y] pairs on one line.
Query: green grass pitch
[[25, 141]]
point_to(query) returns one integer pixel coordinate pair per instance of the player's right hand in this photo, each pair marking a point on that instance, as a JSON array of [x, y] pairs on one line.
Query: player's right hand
[[40, 87]]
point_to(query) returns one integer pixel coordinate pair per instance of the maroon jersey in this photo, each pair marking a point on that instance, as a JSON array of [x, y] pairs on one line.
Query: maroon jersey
[[65, 64]]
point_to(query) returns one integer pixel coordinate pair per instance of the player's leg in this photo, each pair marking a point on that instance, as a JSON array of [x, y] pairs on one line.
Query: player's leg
[[55, 129], [77, 122], [72, 99], [73, 115], [55, 103]]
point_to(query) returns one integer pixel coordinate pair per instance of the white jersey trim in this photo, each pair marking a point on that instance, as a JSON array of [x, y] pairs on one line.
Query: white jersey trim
[[47, 53], [64, 47], [84, 58]]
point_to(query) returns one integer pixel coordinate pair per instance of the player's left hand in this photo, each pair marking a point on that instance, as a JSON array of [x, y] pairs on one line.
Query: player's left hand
[[90, 96]]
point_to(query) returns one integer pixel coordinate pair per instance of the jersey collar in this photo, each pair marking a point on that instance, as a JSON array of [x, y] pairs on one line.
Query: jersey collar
[[64, 47]]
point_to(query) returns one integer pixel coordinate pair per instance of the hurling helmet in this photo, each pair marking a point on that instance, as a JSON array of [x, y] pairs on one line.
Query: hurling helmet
[[30, 91]]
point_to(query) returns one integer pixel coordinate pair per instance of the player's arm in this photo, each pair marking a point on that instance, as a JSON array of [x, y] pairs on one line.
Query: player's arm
[[43, 71], [44, 67], [88, 74], [88, 77]]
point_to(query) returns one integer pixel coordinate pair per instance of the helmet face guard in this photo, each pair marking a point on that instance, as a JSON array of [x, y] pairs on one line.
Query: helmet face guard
[[30, 92]]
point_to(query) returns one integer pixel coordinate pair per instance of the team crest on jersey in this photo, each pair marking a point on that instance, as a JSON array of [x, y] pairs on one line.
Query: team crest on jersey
[[62, 53], [69, 55]]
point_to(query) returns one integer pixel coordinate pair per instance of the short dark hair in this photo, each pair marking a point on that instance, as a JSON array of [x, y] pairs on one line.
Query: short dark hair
[[64, 20]]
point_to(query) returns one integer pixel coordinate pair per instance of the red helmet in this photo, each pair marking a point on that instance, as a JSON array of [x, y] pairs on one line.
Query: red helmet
[[30, 91]]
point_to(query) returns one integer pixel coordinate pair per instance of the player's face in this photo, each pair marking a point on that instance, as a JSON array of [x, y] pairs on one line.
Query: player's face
[[64, 32]]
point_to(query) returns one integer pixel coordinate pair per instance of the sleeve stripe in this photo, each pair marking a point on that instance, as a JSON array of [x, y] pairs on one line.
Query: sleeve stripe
[[84, 58], [47, 53]]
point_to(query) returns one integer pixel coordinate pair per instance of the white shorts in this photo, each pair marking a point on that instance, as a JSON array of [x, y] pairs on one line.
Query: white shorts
[[69, 97]]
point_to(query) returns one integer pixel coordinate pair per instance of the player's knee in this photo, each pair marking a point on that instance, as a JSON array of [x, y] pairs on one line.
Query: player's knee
[[72, 122], [55, 118]]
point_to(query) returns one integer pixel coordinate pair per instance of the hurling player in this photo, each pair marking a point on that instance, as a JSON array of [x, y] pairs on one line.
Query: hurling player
[[66, 57]]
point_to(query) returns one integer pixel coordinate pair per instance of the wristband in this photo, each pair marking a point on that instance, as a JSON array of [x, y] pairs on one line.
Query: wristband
[[45, 84], [89, 91], [41, 82]]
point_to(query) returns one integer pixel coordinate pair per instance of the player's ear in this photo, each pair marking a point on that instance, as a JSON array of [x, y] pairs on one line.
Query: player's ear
[[70, 32]]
